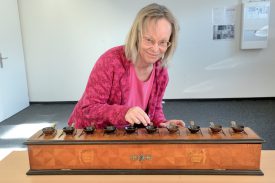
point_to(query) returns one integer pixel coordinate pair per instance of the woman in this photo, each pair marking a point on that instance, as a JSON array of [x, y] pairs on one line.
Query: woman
[[127, 83]]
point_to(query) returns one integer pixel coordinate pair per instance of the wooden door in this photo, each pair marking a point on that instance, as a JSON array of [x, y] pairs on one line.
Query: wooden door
[[13, 82]]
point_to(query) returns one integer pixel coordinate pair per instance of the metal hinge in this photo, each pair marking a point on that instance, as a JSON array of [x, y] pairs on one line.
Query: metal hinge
[[1, 60]]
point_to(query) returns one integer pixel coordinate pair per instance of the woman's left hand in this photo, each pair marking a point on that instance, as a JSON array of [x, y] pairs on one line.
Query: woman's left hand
[[175, 122]]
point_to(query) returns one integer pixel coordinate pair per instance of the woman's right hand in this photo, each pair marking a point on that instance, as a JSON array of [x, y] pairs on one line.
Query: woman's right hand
[[135, 115]]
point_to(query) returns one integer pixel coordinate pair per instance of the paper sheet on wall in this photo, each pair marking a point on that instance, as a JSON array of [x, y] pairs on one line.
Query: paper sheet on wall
[[223, 21], [259, 11]]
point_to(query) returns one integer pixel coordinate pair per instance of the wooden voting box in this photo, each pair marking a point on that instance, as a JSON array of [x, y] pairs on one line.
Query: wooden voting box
[[223, 153]]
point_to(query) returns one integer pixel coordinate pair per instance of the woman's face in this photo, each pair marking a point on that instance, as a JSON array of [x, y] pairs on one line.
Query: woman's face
[[154, 41]]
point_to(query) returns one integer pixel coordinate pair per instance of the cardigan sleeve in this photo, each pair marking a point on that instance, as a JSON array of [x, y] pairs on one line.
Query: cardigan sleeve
[[159, 116], [95, 105]]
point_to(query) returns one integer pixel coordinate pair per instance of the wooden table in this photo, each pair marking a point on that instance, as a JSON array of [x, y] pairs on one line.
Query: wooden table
[[14, 167]]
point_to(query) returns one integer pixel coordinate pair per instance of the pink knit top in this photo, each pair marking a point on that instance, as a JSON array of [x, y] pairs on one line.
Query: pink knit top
[[140, 90]]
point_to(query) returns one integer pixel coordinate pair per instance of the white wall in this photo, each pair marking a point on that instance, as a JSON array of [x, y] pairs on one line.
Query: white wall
[[63, 39]]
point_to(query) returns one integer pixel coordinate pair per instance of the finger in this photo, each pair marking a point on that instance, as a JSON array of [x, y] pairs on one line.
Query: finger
[[177, 122], [136, 120], [164, 125], [147, 119], [132, 120], [144, 117], [181, 123]]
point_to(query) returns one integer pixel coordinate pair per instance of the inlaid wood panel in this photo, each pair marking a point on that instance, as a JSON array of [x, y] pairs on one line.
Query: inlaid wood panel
[[145, 156]]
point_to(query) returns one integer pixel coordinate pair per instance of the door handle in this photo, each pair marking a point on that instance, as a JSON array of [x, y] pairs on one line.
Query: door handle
[[1, 60]]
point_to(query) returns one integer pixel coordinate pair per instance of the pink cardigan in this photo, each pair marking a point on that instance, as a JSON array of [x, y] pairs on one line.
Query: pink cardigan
[[107, 91]]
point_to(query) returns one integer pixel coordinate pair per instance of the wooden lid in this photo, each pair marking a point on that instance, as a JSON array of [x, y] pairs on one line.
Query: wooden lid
[[162, 136]]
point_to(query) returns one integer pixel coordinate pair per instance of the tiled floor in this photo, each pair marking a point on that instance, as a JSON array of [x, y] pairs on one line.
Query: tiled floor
[[16, 129], [258, 114], [12, 137]]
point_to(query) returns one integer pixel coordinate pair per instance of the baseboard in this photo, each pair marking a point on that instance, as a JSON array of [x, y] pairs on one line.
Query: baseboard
[[173, 100], [222, 99], [54, 102]]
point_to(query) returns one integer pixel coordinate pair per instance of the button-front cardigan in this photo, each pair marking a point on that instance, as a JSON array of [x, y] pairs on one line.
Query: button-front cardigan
[[107, 91]]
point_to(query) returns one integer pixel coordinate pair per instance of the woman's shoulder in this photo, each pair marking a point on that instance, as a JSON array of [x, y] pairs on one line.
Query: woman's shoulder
[[160, 68], [115, 55], [115, 52], [113, 60]]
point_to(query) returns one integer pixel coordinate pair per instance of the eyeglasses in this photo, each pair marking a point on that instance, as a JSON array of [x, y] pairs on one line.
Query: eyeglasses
[[151, 43]]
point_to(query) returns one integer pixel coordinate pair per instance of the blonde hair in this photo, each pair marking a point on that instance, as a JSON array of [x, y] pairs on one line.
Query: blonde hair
[[151, 12]]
